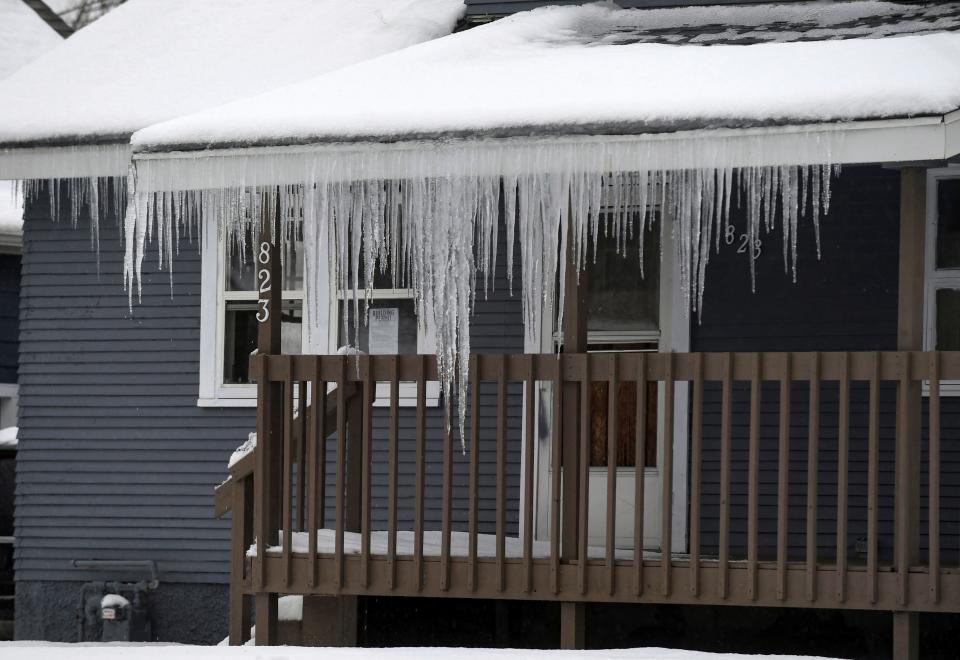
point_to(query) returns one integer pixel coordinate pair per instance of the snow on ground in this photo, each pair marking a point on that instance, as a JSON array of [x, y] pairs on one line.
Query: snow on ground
[[24, 36], [41, 651], [562, 69], [151, 60]]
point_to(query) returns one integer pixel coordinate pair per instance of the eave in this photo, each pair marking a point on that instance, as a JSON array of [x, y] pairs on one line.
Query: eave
[[932, 138], [65, 161]]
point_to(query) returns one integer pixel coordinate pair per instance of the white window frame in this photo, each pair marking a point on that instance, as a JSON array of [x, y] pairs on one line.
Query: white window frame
[[214, 392], [934, 278], [426, 344]]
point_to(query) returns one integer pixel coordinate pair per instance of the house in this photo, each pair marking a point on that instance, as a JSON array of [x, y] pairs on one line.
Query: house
[[25, 35], [761, 418], [696, 487], [119, 449]]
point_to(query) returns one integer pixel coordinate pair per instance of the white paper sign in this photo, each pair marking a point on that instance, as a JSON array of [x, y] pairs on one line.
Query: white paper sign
[[384, 331]]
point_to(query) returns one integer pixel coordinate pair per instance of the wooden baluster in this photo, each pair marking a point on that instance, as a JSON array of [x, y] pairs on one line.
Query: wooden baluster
[[341, 472], [639, 475], [584, 474], [813, 463], [873, 479], [261, 507], [843, 477], [555, 476], [783, 476], [324, 431], [934, 478], [473, 526], [529, 440], [445, 503], [666, 480], [368, 390], [725, 450], [288, 460], [315, 415], [301, 438], [696, 456], [613, 431], [392, 477], [501, 469], [753, 478], [905, 515], [420, 485]]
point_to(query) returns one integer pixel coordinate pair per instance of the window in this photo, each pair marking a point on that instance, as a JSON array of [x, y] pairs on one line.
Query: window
[[391, 327], [942, 291], [228, 325]]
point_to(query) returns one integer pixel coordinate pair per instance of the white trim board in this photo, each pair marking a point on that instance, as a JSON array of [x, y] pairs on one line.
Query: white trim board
[[78, 161], [933, 138]]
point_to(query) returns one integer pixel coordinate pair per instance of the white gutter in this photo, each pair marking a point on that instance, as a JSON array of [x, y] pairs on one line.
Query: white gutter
[[81, 161], [879, 141], [951, 123]]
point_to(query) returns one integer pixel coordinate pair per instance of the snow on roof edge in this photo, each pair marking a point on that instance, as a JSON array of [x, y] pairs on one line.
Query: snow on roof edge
[[898, 140]]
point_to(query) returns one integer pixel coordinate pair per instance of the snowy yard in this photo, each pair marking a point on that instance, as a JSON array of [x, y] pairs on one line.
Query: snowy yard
[[42, 651]]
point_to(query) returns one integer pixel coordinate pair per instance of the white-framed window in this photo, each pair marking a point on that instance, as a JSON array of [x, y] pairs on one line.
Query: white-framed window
[[228, 327], [942, 266]]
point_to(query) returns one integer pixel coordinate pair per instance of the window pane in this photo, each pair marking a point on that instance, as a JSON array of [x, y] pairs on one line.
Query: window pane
[[948, 223], [618, 297], [242, 265], [240, 329], [406, 326], [948, 320]]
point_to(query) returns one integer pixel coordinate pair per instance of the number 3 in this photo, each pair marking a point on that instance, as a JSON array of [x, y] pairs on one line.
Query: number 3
[[264, 313]]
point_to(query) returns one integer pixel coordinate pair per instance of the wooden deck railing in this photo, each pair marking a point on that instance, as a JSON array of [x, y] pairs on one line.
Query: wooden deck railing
[[812, 480]]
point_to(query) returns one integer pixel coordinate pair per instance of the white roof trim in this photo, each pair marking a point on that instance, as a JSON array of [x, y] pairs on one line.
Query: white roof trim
[[896, 140], [951, 123], [79, 161]]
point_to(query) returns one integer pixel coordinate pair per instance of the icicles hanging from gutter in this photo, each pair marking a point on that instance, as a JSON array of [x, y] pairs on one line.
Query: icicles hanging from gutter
[[97, 196], [438, 234]]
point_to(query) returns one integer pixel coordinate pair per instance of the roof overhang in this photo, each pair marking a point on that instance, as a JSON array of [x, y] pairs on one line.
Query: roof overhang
[[65, 162], [918, 139]]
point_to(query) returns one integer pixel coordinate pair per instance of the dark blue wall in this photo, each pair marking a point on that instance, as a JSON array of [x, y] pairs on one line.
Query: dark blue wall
[[9, 316], [846, 301]]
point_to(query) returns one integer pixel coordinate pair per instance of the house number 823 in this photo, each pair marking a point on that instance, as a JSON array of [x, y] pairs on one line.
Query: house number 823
[[263, 277]]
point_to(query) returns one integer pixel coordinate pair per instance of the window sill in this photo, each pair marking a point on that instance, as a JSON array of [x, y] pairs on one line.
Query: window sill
[[407, 398], [227, 402]]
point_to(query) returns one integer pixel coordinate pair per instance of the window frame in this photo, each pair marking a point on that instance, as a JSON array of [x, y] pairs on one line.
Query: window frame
[[935, 279], [214, 392]]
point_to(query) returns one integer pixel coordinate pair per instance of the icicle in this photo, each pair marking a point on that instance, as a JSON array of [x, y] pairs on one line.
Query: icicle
[[437, 233]]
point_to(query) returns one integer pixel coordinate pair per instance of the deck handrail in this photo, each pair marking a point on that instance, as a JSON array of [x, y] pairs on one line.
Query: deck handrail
[[744, 408]]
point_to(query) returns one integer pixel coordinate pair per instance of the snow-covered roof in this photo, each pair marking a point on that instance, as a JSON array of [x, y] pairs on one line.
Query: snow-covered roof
[[598, 69], [152, 60], [24, 36]]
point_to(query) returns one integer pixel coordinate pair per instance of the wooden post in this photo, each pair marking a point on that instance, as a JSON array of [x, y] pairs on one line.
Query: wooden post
[[913, 182], [572, 615], [269, 412], [241, 533]]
